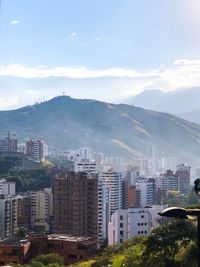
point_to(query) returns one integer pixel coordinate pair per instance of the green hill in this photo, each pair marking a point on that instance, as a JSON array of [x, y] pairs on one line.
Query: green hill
[[124, 130]]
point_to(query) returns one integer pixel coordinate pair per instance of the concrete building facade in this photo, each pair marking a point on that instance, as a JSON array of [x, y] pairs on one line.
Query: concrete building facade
[[146, 188], [20, 251], [41, 210], [8, 216], [8, 144], [36, 149], [75, 204], [7, 188], [103, 210], [127, 223], [85, 166], [183, 172], [113, 181]]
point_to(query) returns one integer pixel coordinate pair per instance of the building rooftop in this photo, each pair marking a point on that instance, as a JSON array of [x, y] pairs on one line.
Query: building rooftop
[[16, 241], [68, 238]]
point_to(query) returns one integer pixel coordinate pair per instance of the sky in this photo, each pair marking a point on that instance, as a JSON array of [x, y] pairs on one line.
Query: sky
[[109, 50]]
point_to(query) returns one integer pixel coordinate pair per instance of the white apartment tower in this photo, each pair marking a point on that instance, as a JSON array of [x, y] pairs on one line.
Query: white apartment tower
[[84, 153], [146, 187], [103, 209], [7, 188], [113, 181], [85, 166], [127, 223]]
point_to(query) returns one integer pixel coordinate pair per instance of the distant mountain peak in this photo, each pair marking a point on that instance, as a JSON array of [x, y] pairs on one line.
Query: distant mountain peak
[[174, 102], [151, 91]]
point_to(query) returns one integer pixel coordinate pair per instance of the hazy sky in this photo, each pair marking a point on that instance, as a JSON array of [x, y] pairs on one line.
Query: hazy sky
[[104, 49]]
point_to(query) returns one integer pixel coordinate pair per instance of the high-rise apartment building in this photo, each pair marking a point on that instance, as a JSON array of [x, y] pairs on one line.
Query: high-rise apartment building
[[134, 197], [147, 190], [36, 149], [132, 174], [98, 158], [103, 210], [7, 188], [127, 223], [183, 172], [85, 166], [8, 144], [167, 182], [84, 153], [41, 210], [23, 211], [8, 216], [113, 181], [75, 204], [131, 196], [168, 163]]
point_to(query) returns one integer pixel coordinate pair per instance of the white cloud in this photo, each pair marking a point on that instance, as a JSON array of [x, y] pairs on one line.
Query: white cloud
[[21, 71], [8, 102], [32, 93], [98, 39], [73, 35], [14, 22], [182, 73], [187, 62]]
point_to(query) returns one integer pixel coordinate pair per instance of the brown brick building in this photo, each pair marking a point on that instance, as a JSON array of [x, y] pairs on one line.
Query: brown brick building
[[14, 250], [23, 211], [131, 196], [75, 204], [72, 249]]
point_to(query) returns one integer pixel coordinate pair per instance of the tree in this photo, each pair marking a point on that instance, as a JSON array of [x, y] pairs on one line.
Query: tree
[[166, 241], [188, 255], [52, 258], [102, 261], [133, 256], [21, 232]]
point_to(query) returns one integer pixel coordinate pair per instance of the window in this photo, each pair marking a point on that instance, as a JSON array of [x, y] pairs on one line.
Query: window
[[71, 256], [121, 217], [145, 224], [121, 225], [138, 232], [121, 233], [138, 224], [142, 216]]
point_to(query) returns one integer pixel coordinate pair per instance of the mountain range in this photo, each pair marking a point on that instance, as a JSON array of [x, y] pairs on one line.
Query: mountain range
[[114, 129], [184, 103]]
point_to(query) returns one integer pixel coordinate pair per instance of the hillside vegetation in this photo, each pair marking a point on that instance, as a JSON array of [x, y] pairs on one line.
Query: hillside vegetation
[[125, 130], [173, 244]]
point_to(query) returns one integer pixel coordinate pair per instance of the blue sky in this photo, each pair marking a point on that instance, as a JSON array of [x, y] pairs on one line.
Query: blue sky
[[104, 49]]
